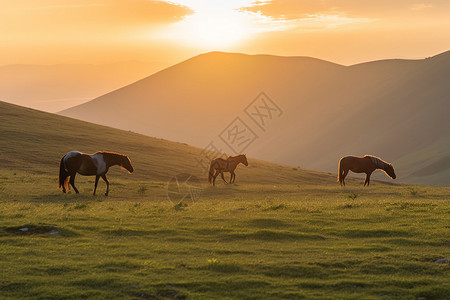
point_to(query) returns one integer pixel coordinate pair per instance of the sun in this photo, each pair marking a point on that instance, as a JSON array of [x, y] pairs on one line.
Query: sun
[[214, 24], [212, 31]]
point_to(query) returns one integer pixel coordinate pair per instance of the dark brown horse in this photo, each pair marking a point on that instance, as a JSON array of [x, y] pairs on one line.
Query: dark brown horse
[[220, 165], [96, 164], [366, 164]]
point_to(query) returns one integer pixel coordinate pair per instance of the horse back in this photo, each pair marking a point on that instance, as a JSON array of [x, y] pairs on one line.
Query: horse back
[[75, 161], [357, 164], [220, 164]]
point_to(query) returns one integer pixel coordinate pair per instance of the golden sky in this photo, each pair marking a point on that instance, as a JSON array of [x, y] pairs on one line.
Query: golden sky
[[105, 31]]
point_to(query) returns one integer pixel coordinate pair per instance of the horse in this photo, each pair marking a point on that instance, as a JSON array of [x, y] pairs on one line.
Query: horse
[[220, 165], [96, 164], [366, 164]]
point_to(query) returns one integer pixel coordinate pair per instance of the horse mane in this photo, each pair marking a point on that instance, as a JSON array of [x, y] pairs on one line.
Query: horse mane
[[114, 157], [111, 153], [235, 156], [378, 162]]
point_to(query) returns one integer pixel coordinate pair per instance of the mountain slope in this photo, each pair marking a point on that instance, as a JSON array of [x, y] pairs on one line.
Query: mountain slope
[[200, 95], [35, 141], [390, 108]]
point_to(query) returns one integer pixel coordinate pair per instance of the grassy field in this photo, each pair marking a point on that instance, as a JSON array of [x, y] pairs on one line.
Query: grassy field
[[280, 232], [244, 241]]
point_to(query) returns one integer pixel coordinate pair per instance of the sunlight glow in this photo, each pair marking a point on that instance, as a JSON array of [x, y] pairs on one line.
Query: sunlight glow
[[217, 23], [224, 24]]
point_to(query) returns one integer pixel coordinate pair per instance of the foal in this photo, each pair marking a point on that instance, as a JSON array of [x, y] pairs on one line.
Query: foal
[[220, 165]]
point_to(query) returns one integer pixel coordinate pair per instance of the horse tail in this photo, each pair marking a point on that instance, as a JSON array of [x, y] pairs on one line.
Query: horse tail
[[340, 172], [63, 175], [211, 171]]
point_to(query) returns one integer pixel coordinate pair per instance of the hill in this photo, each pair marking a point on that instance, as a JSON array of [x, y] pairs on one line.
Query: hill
[[305, 238], [34, 141], [394, 109]]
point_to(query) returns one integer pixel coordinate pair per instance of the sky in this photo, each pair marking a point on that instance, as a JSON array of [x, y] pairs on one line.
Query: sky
[[108, 31]]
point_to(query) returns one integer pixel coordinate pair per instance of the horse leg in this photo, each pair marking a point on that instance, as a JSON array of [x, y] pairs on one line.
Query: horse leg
[[107, 184], [367, 181], [216, 173], [344, 174], [97, 177], [233, 177], [221, 174], [72, 182], [64, 186]]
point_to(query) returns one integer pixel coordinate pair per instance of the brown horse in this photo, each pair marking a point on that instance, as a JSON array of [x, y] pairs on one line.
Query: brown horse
[[366, 164], [96, 164], [220, 165]]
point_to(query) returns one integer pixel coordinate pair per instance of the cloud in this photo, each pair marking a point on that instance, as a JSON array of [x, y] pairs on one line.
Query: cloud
[[98, 12], [380, 9], [421, 6], [307, 14], [326, 21]]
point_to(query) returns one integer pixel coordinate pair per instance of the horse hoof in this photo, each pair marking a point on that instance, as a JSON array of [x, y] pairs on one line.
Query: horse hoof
[[106, 194]]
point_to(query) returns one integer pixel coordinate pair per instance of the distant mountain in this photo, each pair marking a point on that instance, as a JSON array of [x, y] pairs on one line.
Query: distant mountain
[[56, 87], [321, 111]]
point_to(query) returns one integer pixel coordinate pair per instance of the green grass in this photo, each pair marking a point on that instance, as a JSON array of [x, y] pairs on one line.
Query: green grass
[[245, 241], [277, 233]]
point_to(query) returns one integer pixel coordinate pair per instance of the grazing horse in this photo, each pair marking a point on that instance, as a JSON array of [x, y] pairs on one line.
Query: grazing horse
[[220, 165], [96, 164], [366, 164]]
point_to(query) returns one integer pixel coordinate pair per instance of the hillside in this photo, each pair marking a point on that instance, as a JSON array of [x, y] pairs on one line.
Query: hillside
[[34, 141], [391, 108], [296, 235]]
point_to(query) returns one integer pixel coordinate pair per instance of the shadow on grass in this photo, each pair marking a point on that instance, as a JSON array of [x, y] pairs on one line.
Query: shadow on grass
[[295, 271], [414, 242], [376, 233], [272, 235], [118, 266], [267, 223], [233, 288], [66, 198], [223, 267], [126, 232], [37, 229]]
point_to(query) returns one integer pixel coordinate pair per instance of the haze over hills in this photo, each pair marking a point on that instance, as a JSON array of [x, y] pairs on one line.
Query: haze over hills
[[56, 87], [34, 141], [395, 109]]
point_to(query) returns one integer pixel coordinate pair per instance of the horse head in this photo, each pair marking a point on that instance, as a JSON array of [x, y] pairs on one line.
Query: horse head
[[244, 160], [126, 164], [390, 171]]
